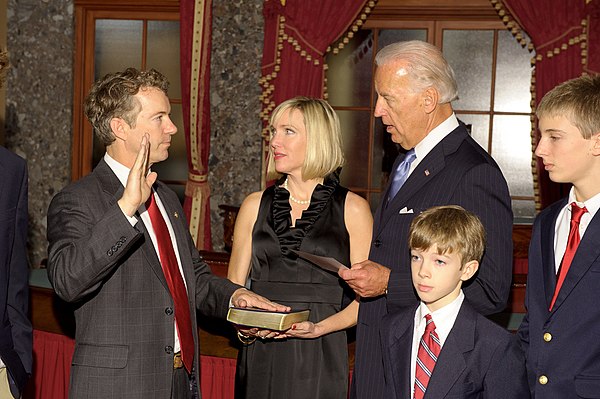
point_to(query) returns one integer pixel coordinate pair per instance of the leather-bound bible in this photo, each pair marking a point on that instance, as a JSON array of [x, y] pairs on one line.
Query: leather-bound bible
[[277, 321]]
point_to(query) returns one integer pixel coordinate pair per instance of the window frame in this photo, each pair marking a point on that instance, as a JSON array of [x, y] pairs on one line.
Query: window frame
[[86, 14], [434, 18]]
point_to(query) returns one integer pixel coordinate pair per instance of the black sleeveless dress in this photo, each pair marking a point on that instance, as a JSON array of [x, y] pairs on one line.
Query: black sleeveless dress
[[298, 368]]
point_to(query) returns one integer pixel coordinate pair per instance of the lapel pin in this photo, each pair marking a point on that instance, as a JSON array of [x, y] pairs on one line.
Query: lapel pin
[[176, 215], [426, 172]]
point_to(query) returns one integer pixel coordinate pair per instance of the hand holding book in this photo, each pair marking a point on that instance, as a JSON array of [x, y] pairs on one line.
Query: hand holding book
[[262, 319]]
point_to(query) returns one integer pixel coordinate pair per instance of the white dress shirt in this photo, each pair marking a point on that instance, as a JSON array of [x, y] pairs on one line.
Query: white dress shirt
[[563, 224], [443, 318], [432, 139], [122, 173]]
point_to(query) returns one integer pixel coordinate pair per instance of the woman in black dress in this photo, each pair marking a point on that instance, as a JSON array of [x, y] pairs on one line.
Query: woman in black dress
[[307, 210]]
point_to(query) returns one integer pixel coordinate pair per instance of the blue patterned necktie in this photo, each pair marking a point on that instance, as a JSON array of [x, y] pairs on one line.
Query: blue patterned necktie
[[400, 174]]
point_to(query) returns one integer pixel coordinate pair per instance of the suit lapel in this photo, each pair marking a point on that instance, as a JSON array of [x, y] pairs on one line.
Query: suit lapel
[[587, 252], [547, 232], [452, 359], [427, 169], [179, 230], [114, 190], [400, 346]]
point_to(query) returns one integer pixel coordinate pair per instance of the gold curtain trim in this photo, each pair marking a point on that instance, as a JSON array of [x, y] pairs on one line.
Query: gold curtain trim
[[559, 48], [290, 35], [341, 43], [197, 178], [197, 42], [199, 192]]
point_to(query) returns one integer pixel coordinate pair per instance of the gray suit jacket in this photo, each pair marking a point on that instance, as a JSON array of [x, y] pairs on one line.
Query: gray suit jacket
[[456, 171], [478, 360], [111, 273], [15, 328]]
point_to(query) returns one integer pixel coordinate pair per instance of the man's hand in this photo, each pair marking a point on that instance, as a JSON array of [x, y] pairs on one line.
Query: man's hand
[[139, 182], [367, 279], [243, 298]]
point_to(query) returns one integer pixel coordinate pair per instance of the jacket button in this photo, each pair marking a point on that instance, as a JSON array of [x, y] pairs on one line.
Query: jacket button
[[169, 349], [169, 311], [547, 337], [377, 243], [543, 379]]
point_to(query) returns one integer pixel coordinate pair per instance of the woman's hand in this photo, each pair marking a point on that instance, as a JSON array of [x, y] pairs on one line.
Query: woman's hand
[[305, 329]]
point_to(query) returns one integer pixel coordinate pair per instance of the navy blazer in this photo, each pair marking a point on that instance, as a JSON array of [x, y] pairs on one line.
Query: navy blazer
[[563, 345], [15, 329], [478, 360], [456, 171]]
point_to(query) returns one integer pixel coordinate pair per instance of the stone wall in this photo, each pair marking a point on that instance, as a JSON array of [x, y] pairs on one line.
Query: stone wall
[[39, 104], [235, 146]]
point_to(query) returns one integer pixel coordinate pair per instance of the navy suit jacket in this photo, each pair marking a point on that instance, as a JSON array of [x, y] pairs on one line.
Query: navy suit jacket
[[456, 171], [478, 360], [564, 344], [15, 328]]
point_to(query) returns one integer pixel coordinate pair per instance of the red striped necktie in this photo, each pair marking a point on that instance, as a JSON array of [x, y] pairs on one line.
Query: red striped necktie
[[429, 350]]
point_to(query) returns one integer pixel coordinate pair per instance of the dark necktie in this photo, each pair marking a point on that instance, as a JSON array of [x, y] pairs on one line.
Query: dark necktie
[[401, 174], [174, 279], [429, 350], [572, 244]]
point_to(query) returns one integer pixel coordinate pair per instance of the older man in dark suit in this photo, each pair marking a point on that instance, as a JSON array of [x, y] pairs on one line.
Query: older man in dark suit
[[443, 165], [15, 327], [120, 250]]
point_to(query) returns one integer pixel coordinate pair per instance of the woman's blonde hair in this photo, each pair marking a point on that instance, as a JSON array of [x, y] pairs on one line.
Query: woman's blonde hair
[[324, 152]]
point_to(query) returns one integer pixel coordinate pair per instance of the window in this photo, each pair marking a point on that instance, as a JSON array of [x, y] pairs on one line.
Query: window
[[120, 34], [493, 74]]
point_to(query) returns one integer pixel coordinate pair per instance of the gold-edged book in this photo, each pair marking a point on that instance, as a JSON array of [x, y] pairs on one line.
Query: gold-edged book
[[278, 321]]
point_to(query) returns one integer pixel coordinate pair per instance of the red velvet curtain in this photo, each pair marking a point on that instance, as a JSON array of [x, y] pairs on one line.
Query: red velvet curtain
[[195, 42], [52, 354], [298, 35], [566, 39]]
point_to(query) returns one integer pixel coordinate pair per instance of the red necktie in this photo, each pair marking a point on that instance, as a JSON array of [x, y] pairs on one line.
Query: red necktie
[[175, 283], [429, 350], [572, 244]]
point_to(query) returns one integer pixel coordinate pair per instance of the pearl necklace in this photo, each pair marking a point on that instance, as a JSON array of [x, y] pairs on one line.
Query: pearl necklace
[[297, 201]]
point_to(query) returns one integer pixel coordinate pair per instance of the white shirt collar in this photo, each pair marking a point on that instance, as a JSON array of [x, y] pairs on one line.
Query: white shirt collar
[[120, 170], [434, 137], [443, 318], [592, 204]]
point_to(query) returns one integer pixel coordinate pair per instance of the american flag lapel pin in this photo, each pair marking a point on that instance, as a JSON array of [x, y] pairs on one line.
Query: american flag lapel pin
[[426, 172]]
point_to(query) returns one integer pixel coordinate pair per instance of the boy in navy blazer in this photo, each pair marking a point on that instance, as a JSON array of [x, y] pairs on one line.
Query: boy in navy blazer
[[561, 329], [475, 357]]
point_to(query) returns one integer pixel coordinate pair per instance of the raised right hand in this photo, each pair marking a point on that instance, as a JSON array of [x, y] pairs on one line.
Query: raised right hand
[[139, 181]]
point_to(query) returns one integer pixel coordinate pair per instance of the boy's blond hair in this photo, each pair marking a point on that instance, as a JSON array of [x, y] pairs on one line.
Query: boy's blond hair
[[578, 100], [452, 229]]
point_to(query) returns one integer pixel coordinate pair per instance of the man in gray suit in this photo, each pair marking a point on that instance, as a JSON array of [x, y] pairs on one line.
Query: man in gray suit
[[415, 87], [107, 255]]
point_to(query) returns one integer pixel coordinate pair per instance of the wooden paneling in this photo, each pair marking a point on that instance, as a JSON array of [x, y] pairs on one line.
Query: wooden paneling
[[427, 9]]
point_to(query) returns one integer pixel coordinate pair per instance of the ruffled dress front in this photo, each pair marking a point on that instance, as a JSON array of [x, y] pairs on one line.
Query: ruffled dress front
[[298, 368]]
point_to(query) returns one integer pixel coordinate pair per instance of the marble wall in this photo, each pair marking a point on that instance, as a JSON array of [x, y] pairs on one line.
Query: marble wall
[[235, 148], [39, 104]]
